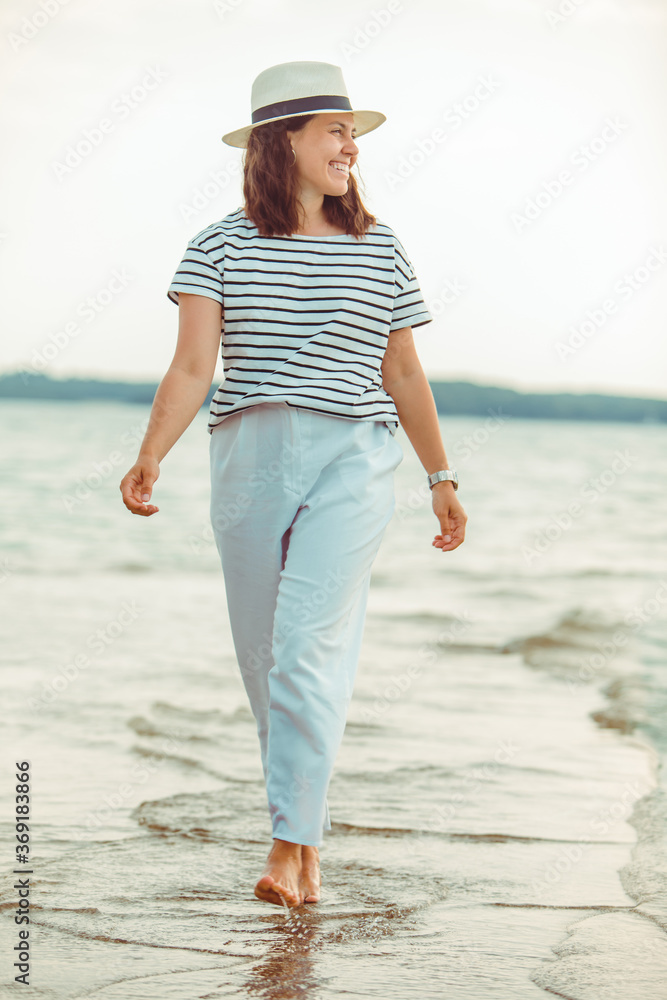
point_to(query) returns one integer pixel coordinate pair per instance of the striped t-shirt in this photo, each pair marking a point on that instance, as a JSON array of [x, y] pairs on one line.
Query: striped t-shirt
[[305, 318]]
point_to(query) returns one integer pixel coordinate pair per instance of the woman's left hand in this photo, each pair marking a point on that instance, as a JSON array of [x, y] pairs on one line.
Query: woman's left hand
[[451, 516]]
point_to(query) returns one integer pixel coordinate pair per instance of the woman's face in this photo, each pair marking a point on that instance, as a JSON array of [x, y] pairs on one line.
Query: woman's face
[[327, 139]]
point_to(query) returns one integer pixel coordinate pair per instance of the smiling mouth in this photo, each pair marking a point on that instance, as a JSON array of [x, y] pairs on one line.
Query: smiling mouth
[[341, 168]]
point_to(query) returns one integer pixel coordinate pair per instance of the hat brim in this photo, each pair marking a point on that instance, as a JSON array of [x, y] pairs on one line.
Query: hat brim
[[364, 122]]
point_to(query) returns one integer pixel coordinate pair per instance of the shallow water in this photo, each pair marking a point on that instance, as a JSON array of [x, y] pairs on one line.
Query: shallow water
[[498, 802]]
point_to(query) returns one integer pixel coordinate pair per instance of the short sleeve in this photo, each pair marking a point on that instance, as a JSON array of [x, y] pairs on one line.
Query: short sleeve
[[199, 273], [409, 306]]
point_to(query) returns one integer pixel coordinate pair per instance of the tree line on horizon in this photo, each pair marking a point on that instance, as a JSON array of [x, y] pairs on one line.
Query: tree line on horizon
[[453, 398]]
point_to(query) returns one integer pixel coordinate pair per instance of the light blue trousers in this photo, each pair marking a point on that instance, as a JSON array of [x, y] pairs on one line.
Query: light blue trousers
[[299, 503]]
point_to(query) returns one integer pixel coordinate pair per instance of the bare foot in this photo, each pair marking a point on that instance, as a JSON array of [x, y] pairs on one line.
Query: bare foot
[[309, 879], [280, 879]]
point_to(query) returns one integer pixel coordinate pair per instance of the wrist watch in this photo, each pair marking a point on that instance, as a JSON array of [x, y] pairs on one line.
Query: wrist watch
[[439, 477]]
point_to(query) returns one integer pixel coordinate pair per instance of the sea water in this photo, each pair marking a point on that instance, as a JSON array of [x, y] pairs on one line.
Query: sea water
[[498, 802]]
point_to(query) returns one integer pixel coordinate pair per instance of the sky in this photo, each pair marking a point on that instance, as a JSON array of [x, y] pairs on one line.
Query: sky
[[521, 165]]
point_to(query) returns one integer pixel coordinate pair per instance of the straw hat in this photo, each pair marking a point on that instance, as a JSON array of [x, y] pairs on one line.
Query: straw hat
[[300, 88]]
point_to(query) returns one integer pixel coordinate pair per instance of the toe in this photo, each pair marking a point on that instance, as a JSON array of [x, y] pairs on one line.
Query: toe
[[266, 889], [291, 898], [310, 886]]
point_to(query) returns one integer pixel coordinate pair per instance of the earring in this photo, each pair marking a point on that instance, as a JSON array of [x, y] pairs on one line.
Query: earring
[[294, 151]]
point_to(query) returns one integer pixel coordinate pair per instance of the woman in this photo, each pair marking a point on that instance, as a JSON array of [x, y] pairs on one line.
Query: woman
[[319, 299]]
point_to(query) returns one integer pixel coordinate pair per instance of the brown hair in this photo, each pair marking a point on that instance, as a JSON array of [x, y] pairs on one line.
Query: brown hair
[[271, 190]]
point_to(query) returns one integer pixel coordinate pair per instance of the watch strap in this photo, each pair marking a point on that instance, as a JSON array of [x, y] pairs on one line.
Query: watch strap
[[442, 476]]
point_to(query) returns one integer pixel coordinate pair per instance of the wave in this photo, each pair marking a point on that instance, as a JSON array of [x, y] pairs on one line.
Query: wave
[[580, 644], [356, 829], [166, 716]]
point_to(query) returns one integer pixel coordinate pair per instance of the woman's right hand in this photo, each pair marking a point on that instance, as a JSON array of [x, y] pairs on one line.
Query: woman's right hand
[[137, 486]]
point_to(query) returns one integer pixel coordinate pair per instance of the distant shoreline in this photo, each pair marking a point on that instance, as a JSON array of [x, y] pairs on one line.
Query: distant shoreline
[[451, 398]]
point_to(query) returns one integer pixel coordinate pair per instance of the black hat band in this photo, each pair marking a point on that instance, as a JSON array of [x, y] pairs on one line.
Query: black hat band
[[300, 106]]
